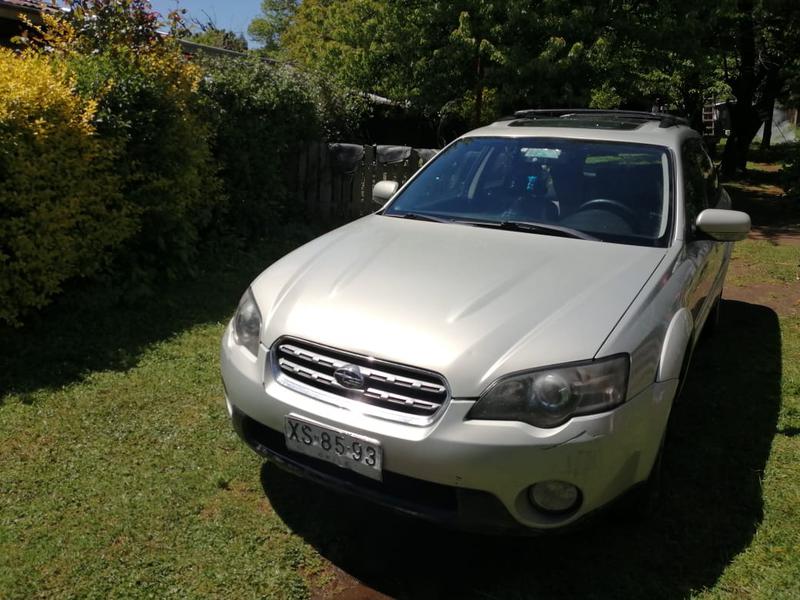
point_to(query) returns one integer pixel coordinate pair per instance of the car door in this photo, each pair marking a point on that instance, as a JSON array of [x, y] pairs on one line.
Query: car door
[[701, 190], [720, 251]]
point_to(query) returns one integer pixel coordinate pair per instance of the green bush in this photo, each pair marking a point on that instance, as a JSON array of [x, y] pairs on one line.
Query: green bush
[[262, 115], [149, 107], [61, 212], [120, 158]]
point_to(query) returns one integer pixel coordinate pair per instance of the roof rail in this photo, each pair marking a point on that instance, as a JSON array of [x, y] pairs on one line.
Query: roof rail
[[664, 119]]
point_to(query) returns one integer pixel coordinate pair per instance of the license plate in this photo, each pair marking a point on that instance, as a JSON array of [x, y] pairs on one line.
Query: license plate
[[348, 450]]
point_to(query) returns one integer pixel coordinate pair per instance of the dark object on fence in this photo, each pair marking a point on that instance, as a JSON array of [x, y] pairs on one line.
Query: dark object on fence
[[425, 154], [346, 158], [388, 155]]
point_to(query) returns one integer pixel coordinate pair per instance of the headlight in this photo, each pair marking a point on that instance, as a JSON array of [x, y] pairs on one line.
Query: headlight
[[550, 397], [247, 323]]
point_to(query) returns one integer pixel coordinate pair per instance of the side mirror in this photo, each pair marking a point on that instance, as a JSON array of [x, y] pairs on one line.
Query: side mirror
[[723, 225], [383, 190]]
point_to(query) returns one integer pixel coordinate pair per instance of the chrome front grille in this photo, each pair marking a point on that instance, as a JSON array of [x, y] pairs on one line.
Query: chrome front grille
[[380, 384]]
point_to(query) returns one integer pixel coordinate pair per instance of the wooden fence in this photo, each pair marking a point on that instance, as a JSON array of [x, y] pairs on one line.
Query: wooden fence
[[333, 182]]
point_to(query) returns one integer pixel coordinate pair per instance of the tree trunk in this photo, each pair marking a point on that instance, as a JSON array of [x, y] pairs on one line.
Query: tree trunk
[[748, 119], [743, 114], [693, 100], [745, 123], [766, 139], [772, 88]]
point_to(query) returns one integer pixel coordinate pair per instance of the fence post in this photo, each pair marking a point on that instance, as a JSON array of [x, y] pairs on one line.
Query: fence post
[[325, 182], [368, 179]]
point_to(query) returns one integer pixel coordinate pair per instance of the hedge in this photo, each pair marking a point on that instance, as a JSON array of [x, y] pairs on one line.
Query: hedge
[[62, 213], [120, 158], [149, 107], [261, 114]]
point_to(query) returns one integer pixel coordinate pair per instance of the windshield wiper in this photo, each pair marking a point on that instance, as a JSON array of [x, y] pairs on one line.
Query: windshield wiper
[[419, 217], [525, 226], [547, 229], [530, 227]]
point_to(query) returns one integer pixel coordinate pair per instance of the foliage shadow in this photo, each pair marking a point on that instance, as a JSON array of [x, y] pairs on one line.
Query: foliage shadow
[[92, 329]]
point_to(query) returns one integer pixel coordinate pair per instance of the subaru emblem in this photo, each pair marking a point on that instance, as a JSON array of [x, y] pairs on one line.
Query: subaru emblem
[[350, 376]]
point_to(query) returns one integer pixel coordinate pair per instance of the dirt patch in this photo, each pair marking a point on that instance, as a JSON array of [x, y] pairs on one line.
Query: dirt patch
[[775, 216], [765, 167], [776, 219], [784, 236], [756, 188], [767, 206], [346, 587], [784, 299]]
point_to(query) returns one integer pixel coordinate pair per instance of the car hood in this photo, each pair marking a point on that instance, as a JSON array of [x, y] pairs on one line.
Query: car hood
[[470, 303]]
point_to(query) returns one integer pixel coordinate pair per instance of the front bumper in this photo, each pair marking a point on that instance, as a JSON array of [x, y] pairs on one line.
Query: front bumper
[[459, 471]]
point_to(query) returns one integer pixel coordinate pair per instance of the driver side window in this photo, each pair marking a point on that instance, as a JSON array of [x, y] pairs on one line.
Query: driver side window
[[698, 173]]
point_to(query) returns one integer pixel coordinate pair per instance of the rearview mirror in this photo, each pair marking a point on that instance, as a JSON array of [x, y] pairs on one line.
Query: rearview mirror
[[383, 190], [723, 225]]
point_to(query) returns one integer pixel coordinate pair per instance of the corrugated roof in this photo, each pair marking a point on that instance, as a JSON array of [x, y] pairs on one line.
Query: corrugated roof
[[14, 10], [29, 4]]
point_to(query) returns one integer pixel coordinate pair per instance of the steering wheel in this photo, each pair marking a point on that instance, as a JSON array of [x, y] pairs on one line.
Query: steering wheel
[[614, 206]]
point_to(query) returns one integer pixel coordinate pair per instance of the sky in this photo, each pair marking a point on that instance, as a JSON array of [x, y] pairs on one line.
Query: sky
[[234, 15]]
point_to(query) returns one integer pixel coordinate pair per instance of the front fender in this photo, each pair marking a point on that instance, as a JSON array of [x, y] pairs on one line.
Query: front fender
[[677, 342]]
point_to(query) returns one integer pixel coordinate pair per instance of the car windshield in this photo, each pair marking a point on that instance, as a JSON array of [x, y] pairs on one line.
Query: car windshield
[[617, 192]]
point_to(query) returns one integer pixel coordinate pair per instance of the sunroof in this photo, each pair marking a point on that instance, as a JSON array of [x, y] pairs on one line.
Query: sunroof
[[580, 123]]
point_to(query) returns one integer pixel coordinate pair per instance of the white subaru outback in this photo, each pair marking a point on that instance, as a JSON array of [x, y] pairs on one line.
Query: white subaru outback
[[500, 345]]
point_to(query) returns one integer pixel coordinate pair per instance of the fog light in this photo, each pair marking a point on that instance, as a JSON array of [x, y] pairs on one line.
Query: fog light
[[554, 496]]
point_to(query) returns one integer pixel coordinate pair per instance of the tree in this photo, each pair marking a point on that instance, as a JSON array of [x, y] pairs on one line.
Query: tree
[[470, 60], [210, 35], [684, 52], [442, 57], [100, 25], [760, 45], [467, 60], [276, 16]]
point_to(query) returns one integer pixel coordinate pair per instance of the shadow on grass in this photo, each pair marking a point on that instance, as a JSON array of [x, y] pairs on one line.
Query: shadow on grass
[[776, 153], [89, 330], [774, 216], [710, 508]]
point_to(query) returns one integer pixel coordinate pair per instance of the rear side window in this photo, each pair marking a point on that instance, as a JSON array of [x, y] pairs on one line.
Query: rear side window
[[700, 180]]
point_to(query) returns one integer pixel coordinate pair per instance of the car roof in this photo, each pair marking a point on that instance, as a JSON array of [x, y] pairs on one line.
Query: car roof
[[614, 126]]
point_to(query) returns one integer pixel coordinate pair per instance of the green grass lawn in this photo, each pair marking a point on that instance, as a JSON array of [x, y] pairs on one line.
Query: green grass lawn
[[759, 261], [120, 476]]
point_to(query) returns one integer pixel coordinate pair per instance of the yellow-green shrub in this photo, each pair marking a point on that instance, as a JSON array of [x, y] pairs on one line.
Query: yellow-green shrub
[[148, 105], [60, 205], [120, 158]]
